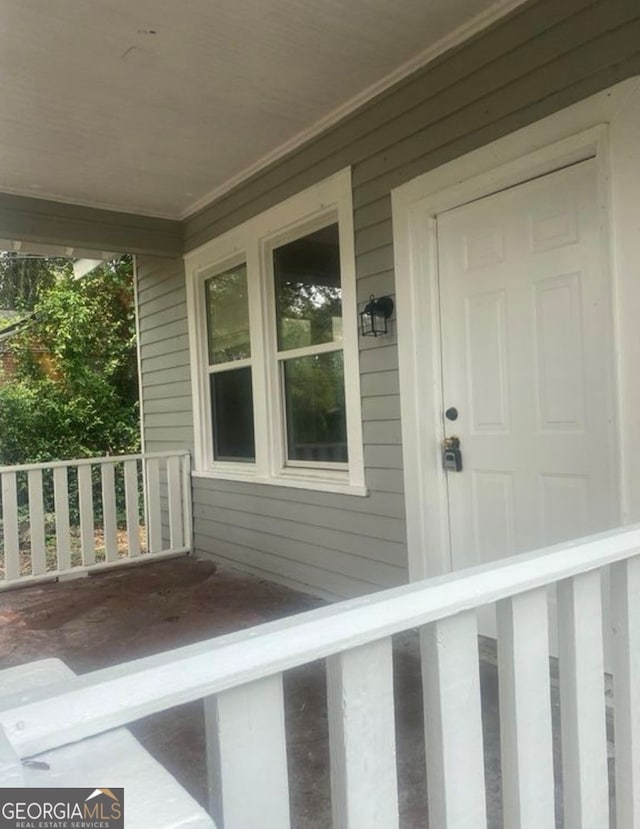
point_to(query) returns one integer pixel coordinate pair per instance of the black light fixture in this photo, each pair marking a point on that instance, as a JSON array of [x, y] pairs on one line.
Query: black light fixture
[[374, 316]]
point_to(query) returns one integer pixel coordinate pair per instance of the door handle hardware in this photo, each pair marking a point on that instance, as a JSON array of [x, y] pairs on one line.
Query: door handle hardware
[[451, 454]]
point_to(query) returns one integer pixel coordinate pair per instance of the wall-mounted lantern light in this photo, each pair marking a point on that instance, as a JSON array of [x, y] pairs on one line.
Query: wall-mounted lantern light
[[374, 316]]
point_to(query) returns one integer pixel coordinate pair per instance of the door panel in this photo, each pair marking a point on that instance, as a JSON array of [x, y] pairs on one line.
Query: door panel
[[527, 361]]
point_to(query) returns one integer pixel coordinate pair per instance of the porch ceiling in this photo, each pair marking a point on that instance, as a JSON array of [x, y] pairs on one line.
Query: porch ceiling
[[155, 107]]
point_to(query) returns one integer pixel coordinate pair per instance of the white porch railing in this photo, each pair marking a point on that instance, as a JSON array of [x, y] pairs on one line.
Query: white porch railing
[[240, 679], [81, 515]]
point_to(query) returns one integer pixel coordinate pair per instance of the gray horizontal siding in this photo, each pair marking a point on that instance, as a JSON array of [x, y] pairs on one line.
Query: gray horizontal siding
[[165, 374], [333, 545], [544, 56], [289, 571], [69, 225]]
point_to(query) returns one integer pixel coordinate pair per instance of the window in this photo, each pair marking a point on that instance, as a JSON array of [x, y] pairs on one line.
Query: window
[[229, 348], [308, 294], [273, 327]]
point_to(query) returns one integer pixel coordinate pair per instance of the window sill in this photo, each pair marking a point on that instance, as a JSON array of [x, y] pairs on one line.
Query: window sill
[[317, 483]]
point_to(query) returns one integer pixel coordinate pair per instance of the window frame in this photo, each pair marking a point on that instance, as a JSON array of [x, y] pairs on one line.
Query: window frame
[[223, 367], [253, 243]]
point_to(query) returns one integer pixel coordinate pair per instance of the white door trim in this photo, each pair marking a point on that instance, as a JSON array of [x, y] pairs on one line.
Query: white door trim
[[533, 151]]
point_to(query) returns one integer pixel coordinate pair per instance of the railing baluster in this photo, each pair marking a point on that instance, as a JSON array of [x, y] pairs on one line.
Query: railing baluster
[[109, 522], [364, 786], [582, 702], [176, 533], [246, 756], [525, 711], [61, 503], [10, 530], [87, 517], [36, 523], [131, 501], [154, 516], [453, 723], [186, 500], [625, 590]]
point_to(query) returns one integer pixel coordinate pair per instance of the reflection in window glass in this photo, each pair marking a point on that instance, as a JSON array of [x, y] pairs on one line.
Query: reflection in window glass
[[308, 292], [232, 415], [314, 398], [228, 316]]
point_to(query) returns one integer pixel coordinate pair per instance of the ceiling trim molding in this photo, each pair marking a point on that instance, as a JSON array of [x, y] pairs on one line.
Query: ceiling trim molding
[[490, 15]]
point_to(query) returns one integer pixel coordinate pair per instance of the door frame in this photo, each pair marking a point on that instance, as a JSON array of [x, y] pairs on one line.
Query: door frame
[[541, 148]]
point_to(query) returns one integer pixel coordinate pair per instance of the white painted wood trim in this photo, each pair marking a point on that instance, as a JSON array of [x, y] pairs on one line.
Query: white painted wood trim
[[131, 490], [61, 503], [247, 757], [174, 487], [625, 590], [219, 368], [80, 572], [92, 703], [525, 711], [87, 515], [89, 461], [582, 702], [571, 135], [187, 505], [364, 785], [318, 482], [252, 242], [136, 311], [453, 723], [180, 519], [109, 518], [36, 523], [10, 535], [154, 513], [308, 351]]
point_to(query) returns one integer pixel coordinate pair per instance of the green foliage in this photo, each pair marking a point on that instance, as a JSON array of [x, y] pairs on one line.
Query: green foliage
[[23, 280], [74, 393]]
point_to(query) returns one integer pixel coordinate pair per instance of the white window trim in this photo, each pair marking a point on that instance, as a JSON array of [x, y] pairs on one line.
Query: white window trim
[[252, 242]]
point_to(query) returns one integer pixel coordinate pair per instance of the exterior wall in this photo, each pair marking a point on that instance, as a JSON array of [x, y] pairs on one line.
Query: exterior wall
[[165, 388], [543, 57], [333, 545]]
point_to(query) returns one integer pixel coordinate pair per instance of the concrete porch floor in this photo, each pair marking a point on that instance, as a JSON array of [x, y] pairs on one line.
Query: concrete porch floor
[[133, 612]]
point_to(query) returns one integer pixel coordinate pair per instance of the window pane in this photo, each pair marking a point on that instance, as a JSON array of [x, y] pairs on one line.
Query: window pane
[[228, 316], [308, 292], [314, 394], [232, 410]]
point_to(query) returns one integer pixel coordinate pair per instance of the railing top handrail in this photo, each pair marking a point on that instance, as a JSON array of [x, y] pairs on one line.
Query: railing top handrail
[[87, 705], [28, 467]]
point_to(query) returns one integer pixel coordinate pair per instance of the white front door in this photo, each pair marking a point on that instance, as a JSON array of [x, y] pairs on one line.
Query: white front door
[[527, 359]]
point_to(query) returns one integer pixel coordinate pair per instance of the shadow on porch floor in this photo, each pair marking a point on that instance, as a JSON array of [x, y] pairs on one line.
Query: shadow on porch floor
[[125, 614]]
